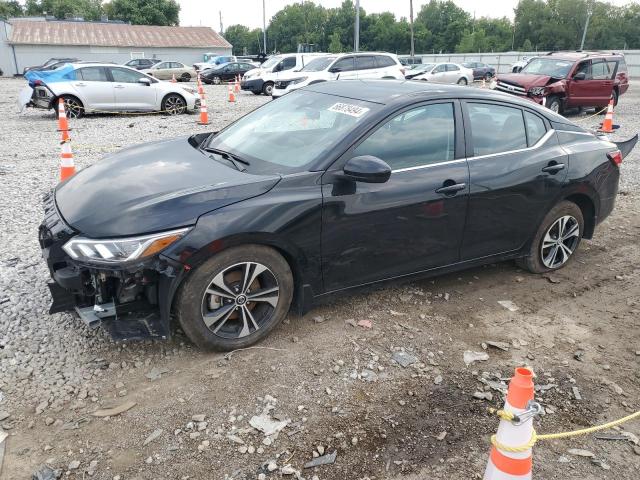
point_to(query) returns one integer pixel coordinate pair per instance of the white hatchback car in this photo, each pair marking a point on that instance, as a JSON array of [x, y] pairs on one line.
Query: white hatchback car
[[346, 66], [103, 87], [447, 73]]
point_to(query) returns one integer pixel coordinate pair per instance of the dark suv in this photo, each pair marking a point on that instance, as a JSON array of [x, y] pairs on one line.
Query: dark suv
[[561, 80], [142, 63]]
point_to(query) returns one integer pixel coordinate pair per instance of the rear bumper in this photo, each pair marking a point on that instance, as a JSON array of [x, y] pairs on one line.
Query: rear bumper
[[131, 302]]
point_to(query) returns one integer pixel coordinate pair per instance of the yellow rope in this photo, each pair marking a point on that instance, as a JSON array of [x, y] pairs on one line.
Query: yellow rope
[[591, 116], [552, 436]]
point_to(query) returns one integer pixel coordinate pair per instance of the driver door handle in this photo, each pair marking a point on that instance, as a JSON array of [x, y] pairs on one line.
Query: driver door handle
[[450, 188], [553, 168], [119, 86]]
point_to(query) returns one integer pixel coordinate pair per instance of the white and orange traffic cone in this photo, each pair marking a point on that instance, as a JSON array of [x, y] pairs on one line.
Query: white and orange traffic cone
[[516, 433], [204, 114], [236, 86], [484, 83], [607, 125], [67, 167], [232, 95]]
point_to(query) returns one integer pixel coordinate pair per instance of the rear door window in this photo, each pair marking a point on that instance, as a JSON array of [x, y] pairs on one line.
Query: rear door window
[[440, 68], [452, 68], [496, 128], [365, 63], [535, 127], [384, 61], [93, 74]]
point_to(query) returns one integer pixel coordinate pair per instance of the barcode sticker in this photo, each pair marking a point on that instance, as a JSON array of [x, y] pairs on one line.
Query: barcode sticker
[[349, 109]]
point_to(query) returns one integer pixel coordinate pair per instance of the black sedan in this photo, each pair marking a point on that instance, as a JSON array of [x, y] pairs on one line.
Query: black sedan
[[481, 70], [332, 187], [51, 64], [142, 63], [226, 72]]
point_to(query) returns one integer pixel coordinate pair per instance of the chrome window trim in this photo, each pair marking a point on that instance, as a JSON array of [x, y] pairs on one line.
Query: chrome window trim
[[428, 165], [538, 144]]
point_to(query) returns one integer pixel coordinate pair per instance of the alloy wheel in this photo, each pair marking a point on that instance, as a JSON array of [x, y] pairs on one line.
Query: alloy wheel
[[560, 241], [73, 107], [174, 105], [240, 300]]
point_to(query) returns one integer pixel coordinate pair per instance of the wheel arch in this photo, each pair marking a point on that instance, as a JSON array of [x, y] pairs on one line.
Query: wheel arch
[[588, 208], [164, 97], [303, 293]]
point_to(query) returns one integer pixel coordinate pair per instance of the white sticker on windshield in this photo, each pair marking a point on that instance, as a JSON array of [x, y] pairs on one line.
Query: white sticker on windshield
[[349, 109]]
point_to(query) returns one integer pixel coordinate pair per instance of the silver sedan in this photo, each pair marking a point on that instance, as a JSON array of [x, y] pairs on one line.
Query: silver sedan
[[447, 73]]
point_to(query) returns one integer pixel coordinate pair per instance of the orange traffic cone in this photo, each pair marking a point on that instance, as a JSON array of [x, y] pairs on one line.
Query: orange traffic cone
[[67, 167], [484, 83], [204, 114], [515, 433], [232, 95], [173, 78], [236, 87], [607, 125]]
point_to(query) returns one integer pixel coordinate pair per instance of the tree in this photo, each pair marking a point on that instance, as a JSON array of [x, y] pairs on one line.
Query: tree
[[334, 43], [446, 21], [87, 9], [526, 46], [11, 9], [244, 41], [144, 12]]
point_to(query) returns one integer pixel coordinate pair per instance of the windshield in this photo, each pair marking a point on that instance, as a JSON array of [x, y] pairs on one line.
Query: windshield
[[318, 64], [424, 67], [548, 66], [287, 135], [271, 62]]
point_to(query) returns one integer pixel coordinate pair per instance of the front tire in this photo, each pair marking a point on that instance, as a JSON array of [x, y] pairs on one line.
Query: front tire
[[236, 298], [556, 240], [554, 103], [267, 88], [217, 80], [462, 81]]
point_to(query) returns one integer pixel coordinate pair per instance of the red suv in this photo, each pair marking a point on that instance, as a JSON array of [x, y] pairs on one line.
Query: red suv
[[561, 80]]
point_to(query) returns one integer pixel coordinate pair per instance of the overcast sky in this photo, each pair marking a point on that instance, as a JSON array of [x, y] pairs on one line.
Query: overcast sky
[[249, 12]]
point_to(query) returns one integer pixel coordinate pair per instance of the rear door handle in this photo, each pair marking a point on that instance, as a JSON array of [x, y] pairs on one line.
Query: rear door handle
[[451, 188], [119, 86], [81, 84], [554, 168]]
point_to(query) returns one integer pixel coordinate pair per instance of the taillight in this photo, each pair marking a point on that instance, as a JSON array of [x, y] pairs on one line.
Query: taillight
[[38, 82], [615, 157], [402, 70]]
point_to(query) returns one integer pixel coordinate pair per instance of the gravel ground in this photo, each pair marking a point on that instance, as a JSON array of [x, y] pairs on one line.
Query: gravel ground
[[336, 387]]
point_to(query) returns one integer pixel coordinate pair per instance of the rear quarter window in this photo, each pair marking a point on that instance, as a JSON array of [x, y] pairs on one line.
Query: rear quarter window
[[384, 61], [535, 127]]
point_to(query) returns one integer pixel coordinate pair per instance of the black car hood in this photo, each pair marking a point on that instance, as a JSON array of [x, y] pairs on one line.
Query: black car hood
[[152, 187]]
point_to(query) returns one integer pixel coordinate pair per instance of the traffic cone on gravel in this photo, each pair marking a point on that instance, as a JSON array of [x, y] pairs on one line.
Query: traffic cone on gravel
[[67, 167], [173, 78], [607, 125], [236, 86], [232, 95], [506, 465], [204, 115]]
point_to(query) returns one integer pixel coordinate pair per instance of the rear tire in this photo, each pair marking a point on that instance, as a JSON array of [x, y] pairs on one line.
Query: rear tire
[[73, 107], [488, 76], [235, 320], [173, 104], [556, 240], [216, 80], [185, 77]]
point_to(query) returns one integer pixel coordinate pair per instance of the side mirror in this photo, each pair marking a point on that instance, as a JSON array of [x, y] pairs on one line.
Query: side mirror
[[144, 81], [580, 76], [367, 169], [335, 70]]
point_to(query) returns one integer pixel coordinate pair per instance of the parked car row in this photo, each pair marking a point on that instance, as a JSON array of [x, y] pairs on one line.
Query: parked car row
[[89, 87]]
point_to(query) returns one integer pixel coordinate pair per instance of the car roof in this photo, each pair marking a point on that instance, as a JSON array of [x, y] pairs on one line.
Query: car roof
[[579, 55], [389, 91]]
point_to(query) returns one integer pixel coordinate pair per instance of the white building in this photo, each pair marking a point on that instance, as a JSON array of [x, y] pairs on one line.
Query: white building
[[32, 41]]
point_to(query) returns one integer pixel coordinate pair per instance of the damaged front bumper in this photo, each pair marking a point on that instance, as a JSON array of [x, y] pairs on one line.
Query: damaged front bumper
[[131, 302]]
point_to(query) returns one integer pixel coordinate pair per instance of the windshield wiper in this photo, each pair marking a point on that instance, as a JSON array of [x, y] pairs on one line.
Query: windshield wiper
[[234, 159]]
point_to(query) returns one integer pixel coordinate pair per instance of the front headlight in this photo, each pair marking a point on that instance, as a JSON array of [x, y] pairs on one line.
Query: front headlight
[[120, 250], [191, 90], [298, 80], [537, 91]]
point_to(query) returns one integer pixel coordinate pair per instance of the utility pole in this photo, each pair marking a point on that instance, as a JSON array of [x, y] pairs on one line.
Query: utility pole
[[264, 27], [413, 49], [221, 28], [586, 26], [356, 32]]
